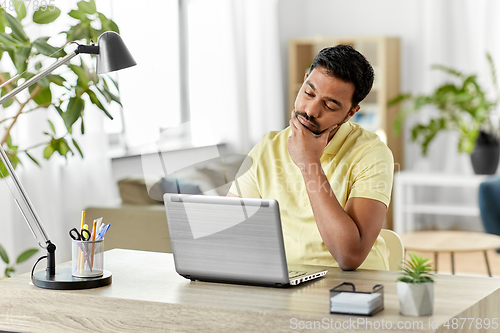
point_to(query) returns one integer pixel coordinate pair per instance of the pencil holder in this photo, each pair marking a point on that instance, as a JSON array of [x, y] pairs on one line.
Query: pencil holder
[[87, 258]]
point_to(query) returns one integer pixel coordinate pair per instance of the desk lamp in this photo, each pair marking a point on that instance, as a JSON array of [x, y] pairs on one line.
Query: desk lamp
[[112, 55]]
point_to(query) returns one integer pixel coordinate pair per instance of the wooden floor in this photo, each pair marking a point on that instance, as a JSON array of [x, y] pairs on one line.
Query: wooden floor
[[472, 263]]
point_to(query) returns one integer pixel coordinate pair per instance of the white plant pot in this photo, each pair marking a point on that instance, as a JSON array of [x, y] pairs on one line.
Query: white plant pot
[[416, 299]]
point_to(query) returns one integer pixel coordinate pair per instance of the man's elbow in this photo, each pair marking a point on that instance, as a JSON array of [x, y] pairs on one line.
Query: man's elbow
[[349, 263]]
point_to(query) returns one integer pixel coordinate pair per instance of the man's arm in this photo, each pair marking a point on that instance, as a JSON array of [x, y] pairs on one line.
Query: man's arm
[[348, 234]]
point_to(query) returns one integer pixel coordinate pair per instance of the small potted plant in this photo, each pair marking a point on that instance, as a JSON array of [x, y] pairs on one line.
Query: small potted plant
[[416, 287]]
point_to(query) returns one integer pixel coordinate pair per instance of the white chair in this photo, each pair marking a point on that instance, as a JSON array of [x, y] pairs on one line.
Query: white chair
[[395, 249]]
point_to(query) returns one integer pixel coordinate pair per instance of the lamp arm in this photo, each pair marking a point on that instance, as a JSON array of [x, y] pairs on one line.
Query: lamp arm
[[38, 77], [25, 199], [49, 246]]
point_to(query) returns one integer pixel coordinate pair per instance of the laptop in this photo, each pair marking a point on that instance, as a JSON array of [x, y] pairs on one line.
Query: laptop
[[231, 240]]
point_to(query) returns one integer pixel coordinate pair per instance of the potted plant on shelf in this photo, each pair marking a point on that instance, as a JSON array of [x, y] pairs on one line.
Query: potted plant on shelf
[[416, 287], [463, 107]]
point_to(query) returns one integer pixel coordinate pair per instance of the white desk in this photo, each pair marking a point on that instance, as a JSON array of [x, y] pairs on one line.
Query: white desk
[[404, 196]]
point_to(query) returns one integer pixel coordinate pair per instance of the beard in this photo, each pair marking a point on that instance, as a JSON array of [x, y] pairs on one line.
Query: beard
[[316, 128]]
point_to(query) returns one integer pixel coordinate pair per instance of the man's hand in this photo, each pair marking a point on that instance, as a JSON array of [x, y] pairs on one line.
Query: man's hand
[[305, 148]]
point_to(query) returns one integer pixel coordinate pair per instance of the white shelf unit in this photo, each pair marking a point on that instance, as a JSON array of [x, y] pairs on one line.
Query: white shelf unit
[[405, 206]]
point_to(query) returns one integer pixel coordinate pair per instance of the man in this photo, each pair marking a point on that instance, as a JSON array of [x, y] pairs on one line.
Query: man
[[331, 178]]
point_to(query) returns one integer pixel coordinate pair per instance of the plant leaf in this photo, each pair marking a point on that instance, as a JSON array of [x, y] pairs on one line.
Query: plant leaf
[[59, 110], [73, 111], [26, 255], [416, 270], [78, 147], [107, 24], [3, 170], [33, 159], [45, 48], [47, 16], [44, 96], [48, 151], [97, 102], [62, 147], [9, 271], [3, 253], [447, 70], [87, 7], [14, 160], [56, 79], [83, 80], [79, 31], [9, 101], [3, 23], [112, 96], [51, 126], [21, 57], [7, 39], [20, 9], [78, 14], [17, 28]]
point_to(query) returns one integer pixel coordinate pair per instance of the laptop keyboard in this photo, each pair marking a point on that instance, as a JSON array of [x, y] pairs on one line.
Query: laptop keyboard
[[295, 274]]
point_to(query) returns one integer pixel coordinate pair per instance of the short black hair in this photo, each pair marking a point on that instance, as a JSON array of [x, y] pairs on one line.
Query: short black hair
[[345, 63]]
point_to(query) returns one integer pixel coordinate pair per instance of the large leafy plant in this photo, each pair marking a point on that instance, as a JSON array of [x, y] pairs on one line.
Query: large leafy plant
[[463, 106], [10, 269], [416, 270], [66, 92]]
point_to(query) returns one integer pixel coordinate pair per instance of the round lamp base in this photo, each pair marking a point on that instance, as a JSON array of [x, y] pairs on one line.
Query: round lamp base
[[63, 280]]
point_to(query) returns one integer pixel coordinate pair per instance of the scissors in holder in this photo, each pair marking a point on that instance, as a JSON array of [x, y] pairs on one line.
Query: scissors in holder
[[84, 235]]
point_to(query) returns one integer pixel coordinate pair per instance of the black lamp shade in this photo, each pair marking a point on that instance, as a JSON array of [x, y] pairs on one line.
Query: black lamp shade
[[113, 54]]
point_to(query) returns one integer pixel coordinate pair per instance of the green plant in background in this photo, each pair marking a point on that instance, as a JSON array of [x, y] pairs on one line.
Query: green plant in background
[[63, 93], [10, 269], [463, 107], [416, 270]]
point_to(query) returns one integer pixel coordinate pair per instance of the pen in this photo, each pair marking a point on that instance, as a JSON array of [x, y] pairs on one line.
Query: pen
[[82, 260], [80, 253], [94, 231], [98, 227], [104, 229], [83, 219]]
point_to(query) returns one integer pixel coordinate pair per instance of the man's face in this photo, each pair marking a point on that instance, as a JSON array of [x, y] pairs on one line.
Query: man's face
[[324, 101]]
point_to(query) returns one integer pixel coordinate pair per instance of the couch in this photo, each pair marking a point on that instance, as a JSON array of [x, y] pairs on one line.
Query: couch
[[139, 221]]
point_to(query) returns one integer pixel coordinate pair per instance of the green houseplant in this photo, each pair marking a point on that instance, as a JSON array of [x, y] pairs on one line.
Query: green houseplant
[[65, 93], [464, 107], [10, 269], [416, 287]]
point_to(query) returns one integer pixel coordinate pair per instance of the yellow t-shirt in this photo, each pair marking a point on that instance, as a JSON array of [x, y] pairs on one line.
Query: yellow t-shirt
[[356, 163]]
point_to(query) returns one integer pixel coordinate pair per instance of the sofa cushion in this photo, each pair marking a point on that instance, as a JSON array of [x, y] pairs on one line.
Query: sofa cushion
[[134, 191], [184, 186]]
